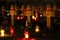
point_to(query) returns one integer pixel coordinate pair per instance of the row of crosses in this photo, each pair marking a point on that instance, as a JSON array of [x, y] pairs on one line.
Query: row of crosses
[[48, 13], [26, 12]]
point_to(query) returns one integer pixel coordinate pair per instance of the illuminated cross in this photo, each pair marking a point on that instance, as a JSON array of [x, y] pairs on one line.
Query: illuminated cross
[[48, 14], [28, 13], [12, 12]]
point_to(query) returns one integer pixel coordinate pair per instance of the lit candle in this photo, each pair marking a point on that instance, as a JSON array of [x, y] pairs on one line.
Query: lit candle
[[2, 32]]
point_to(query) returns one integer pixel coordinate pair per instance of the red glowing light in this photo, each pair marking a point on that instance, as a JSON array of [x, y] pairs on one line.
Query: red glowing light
[[29, 39], [11, 30]]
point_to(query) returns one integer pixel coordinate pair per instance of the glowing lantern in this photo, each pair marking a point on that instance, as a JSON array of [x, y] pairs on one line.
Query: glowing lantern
[[2, 32], [37, 29], [26, 34], [12, 30]]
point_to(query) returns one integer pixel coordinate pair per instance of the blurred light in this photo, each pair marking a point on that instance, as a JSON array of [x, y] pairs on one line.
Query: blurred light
[[25, 39], [26, 34], [7, 14], [58, 9], [28, 39], [26, 24], [2, 32], [54, 20], [11, 30], [40, 15], [21, 14], [21, 17], [44, 35], [33, 17], [37, 29], [7, 11], [18, 17], [32, 39]]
